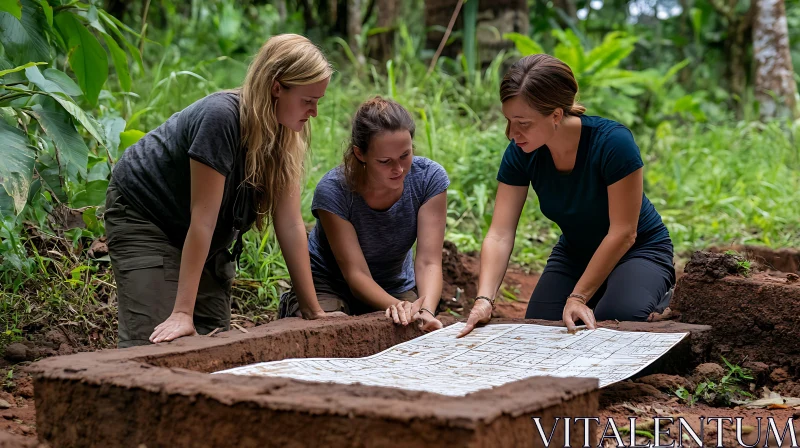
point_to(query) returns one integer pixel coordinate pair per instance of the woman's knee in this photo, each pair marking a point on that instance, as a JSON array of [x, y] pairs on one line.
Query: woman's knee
[[626, 310], [634, 290]]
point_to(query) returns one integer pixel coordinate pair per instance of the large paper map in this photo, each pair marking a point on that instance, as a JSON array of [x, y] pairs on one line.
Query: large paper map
[[489, 356]]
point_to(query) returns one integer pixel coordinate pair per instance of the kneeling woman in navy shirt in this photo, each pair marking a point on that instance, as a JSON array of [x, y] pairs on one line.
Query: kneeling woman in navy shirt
[[614, 257]]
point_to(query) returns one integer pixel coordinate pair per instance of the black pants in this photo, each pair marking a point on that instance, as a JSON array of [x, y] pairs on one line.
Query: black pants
[[636, 287]]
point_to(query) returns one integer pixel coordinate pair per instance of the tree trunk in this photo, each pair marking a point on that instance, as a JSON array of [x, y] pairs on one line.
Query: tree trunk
[[506, 16], [381, 45], [569, 8], [354, 28], [775, 88], [738, 33], [280, 5]]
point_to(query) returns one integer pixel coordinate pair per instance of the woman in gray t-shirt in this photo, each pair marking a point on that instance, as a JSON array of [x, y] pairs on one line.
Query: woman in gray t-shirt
[[370, 211]]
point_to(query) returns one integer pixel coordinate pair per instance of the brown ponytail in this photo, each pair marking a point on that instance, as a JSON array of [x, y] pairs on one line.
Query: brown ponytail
[[546, 83], [375, 116]]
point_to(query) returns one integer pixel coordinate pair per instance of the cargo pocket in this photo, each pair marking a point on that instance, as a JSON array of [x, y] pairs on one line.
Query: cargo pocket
[[224, 269], [145, 297]]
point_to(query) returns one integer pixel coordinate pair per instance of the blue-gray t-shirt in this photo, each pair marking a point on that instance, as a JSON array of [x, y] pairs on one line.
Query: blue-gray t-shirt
[[578, 201], [385, 237]]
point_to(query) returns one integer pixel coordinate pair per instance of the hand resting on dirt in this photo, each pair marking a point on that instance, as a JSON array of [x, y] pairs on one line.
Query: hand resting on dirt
[[481, 313], [320, 314], [178, 324]]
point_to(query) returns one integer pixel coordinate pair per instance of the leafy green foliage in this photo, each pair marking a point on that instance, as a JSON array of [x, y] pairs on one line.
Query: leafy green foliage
[[729, 390], [86, 56], [714, 179]]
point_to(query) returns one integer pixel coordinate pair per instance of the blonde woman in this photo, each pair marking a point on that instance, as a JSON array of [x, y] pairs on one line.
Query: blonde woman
[[187, 190]]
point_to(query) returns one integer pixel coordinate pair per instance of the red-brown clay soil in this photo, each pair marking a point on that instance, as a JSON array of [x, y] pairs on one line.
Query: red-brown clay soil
[[460, 285], [783, 260], [20, 418], [754, 314], [648, 407], [754, 317]]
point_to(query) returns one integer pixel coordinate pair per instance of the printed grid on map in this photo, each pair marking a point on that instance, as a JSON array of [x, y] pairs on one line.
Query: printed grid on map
[[490, 356]]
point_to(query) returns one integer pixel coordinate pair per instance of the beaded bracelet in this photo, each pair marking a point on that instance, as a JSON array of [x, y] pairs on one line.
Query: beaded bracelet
[[580, 297]]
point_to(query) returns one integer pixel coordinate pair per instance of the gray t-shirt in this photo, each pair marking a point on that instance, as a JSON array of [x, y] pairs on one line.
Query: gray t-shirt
[[153, 174], [386, 237]]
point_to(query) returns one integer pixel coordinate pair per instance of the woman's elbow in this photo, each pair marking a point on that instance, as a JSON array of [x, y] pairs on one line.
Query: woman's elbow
[[628, 238]]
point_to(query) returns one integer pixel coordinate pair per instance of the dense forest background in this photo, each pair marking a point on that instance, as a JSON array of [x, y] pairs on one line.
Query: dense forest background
[[708, 87]]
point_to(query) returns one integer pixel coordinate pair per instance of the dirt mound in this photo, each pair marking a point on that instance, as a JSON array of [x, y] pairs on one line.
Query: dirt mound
[[460, 279], [753, 315], [784, 260], [460, 285], [716, 265], [664, 382]]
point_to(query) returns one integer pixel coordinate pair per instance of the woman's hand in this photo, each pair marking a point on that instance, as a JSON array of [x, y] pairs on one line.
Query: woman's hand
[[176, 326], [404, 312], [428, 322], [575, 309], [319, 314], [481, 313]]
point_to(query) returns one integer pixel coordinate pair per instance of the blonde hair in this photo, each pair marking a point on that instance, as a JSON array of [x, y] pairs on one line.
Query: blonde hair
[[275, 155]]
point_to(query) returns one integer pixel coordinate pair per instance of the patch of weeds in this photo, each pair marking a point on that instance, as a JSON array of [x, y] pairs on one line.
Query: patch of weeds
[[729, 390], [509, 294], [743, 265], [8, 380]]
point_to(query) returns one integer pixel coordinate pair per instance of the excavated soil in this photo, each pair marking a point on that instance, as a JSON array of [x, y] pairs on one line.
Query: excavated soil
[[783, 260], [753, 312], [460, 285], [164, 390]]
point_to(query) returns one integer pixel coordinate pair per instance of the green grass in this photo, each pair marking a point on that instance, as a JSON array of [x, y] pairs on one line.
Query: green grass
[[715, 183]]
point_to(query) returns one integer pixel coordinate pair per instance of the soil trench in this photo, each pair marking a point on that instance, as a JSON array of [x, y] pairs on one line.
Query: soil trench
[[749, 298]]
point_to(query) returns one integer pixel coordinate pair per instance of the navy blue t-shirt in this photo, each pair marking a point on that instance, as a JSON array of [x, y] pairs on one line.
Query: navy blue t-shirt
[[578, 201]]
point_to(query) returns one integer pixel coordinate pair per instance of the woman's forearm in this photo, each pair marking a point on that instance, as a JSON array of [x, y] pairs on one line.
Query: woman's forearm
[[193, 258], [495, 253], [604, 260], [294, 246], [429, 283], [365, 289]]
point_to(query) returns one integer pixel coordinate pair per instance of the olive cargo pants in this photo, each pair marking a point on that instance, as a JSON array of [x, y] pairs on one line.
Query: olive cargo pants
[[146, 267]]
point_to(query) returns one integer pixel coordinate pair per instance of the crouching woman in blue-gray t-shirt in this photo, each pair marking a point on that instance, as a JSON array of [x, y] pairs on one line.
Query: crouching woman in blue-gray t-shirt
[[370, 211], [614, 257]]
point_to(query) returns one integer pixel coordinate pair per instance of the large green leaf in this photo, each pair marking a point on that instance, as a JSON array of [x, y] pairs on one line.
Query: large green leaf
[[20, 68], [114, 25], [615, 47], [128, 138], [91, 125], [63, 80], [16, 171], [113, 127], [24, 39], [86, 56], [525, 45], [13, 7], [94, 194], [53, 81], [49, 173], [73, 154], [120, 62], [48, 11]]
